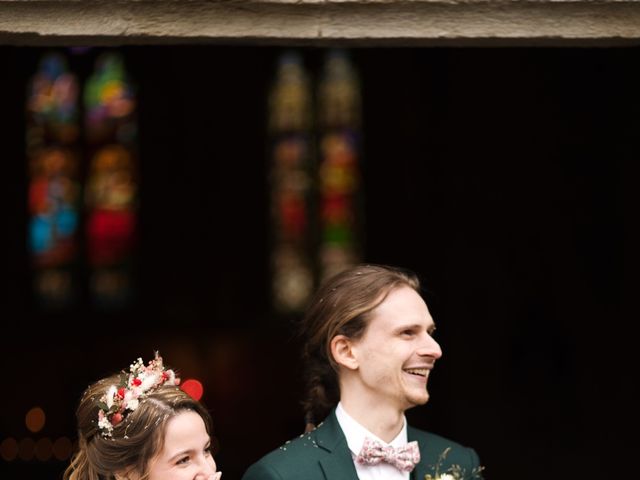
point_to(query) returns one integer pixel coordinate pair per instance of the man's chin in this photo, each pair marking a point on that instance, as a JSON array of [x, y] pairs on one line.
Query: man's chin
[[418, 400]]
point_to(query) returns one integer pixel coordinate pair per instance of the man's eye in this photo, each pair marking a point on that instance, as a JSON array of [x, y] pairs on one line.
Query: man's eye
[[408, 332]]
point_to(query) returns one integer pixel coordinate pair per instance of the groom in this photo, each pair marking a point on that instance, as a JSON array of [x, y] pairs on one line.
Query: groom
[[370, 350]]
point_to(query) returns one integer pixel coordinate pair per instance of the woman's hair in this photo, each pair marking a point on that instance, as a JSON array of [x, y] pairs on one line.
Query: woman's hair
[[341, 306], [135, 440]]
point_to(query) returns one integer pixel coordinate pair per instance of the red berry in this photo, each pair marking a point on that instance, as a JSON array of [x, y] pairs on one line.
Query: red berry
[[116, 418]]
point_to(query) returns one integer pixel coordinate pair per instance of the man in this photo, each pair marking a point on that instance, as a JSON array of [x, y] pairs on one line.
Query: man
[[369, 348]]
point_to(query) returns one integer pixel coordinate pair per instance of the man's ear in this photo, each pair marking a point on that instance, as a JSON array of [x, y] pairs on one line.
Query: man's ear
[[342, 352]]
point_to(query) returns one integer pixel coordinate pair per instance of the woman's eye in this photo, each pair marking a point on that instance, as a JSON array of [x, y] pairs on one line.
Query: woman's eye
[[408, 333], [183, 460], [207, 451]]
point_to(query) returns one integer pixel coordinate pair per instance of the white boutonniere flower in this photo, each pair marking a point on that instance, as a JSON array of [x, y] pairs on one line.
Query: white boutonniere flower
[[454, 472]]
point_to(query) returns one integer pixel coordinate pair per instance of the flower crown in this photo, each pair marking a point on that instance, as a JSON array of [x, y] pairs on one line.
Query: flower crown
[[133, 387]]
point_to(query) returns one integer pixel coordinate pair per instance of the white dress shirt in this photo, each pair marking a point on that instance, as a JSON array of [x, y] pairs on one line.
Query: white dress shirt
[[355, 435]]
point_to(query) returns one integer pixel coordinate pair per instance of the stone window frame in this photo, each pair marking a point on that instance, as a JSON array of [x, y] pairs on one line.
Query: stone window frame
[[321, 22]]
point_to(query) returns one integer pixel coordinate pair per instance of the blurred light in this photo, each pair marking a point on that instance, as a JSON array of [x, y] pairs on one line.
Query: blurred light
[[44, 449], [9, 449], [35, 419], [193, 388], [79, 50], [62, 448], [26, 449]]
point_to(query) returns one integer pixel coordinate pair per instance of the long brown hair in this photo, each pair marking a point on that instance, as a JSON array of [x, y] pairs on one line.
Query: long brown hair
[[341, 307], [134, 441]]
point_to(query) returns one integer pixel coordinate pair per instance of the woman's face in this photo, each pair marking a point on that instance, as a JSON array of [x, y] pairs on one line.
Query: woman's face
[[186, 454]]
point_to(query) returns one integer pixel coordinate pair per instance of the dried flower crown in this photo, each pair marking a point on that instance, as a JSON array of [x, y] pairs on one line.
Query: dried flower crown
[[133, 387]]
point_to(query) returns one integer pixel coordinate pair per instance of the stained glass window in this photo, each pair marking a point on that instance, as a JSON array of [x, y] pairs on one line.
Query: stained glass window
[[316, 194], [52, 132], [339, 106], [290, 114], [111, 194]]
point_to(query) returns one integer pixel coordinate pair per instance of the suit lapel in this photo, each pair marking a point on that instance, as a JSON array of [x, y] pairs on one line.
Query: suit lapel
[[420, 470], [339, 464]]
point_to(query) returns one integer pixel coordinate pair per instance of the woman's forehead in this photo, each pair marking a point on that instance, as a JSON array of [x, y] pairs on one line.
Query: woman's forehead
[[184, 431]]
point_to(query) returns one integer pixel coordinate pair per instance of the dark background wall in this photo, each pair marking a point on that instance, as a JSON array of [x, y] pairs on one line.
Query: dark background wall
[[506, 178]]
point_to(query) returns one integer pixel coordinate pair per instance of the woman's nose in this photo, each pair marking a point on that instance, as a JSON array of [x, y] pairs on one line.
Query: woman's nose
[[208, 470]]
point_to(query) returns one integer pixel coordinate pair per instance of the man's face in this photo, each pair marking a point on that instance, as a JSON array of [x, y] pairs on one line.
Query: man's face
[[397, 352]]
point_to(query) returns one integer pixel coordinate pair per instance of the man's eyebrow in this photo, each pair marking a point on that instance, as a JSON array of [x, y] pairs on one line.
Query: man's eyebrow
[[416, 326], [409, 326]]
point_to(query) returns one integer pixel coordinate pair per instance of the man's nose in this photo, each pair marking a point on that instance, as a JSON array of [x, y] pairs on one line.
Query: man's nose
[[430, 347]]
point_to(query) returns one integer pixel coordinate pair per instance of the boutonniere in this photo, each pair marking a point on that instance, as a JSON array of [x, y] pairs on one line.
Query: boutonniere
[[454, 472]]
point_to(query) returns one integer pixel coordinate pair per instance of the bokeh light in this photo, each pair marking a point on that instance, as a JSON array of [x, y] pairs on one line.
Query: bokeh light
[[44, 449], [193, 388], [9, 449], [35, 419], [62, 448], [26, 449]]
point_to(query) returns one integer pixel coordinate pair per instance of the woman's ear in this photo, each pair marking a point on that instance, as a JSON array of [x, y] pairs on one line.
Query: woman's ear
[[343, 352]]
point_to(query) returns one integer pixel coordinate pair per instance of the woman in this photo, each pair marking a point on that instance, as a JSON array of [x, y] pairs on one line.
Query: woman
[[139, 425]]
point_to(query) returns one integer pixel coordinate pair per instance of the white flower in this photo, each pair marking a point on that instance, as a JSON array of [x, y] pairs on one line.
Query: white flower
[[113, 390], [133, 404], [130, 400], [104, 423], [149, 381], [128, 395], [172, 377], [136, 365], [446, 476]]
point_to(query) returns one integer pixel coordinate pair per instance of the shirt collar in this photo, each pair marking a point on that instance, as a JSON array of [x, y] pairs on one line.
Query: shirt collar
[[356, 433]]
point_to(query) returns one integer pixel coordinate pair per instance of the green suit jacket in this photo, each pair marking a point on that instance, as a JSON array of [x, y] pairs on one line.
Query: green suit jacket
[[323, 454]]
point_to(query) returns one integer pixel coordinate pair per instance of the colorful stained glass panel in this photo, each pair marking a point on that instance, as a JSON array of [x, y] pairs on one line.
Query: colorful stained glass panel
[[54, 190], [111, 195], [291, 183]]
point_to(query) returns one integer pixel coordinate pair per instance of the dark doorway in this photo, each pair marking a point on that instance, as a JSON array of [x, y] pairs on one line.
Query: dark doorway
[[504, 177]]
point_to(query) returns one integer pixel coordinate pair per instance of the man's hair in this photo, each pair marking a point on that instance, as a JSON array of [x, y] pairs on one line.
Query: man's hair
[[341, 306], [135, 440]]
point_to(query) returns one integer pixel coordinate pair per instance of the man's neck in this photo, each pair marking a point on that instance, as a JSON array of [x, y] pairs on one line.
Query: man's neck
[[383, 421]]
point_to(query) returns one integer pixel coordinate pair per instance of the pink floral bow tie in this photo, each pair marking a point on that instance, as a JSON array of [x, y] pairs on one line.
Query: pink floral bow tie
[[403, 458]]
